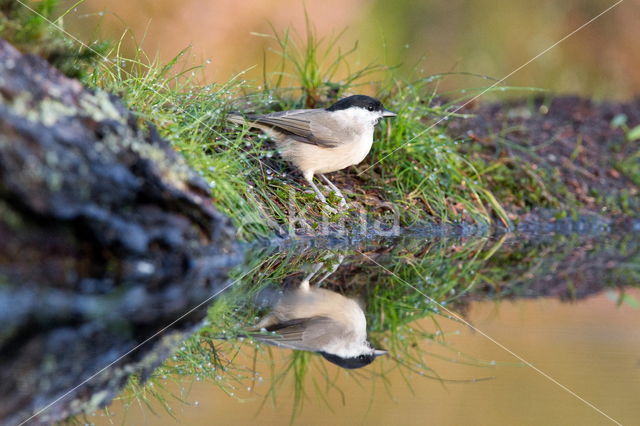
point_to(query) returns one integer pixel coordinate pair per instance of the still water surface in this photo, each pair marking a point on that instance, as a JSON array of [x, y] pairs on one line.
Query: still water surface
[[591, 346], [565, 303]]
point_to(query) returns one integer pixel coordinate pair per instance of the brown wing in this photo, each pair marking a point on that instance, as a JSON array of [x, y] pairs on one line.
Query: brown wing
[[307, 334], [305, 126]]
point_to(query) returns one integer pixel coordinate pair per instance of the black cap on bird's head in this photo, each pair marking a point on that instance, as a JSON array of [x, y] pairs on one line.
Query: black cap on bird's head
[[353, 362], [361, 101]]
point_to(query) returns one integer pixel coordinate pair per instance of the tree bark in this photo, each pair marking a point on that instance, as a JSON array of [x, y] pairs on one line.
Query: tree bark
[[106, 236]]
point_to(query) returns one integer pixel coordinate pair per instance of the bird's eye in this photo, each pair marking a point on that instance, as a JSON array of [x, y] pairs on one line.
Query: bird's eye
[[370, 108]]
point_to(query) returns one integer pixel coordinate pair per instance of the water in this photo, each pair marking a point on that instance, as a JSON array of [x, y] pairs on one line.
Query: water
[[460, 316], [590, 346]]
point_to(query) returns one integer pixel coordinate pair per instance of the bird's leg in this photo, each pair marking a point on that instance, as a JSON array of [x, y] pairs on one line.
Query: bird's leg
[[334, 268], [309, 179], [343, 201], [304, 285]]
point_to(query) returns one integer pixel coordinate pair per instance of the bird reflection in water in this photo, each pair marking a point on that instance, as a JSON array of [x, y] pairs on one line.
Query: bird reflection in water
[[310, 318]]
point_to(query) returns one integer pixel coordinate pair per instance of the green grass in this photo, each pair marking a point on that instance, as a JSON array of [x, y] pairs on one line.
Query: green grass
[[516, 182], [415, 169], [414, 166], [31, 32]]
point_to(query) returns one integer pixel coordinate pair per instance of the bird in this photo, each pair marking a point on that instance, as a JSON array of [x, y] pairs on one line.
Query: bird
[[319, 141], [318, 320]]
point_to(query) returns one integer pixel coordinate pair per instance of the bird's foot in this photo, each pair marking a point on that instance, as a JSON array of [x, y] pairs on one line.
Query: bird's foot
[[327, 207], [335, 190]]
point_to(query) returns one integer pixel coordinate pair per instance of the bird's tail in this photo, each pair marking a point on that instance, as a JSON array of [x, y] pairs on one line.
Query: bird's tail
[[236, 118]]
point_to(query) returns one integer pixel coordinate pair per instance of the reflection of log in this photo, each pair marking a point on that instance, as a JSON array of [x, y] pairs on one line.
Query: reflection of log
[[106, 237]]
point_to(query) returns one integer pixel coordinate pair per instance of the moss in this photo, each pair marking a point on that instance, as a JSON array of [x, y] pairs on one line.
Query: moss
[[9, 217], [630, 167], [516, 184]]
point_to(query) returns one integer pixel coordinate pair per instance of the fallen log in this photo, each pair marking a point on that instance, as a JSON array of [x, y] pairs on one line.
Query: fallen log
[[106, 236]]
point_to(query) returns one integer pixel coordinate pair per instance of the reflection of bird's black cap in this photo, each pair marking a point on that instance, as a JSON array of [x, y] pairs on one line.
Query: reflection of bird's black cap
[[350, 363]]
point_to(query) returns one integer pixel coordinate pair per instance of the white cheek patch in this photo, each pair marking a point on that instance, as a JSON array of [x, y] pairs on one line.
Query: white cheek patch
[[359, 115]]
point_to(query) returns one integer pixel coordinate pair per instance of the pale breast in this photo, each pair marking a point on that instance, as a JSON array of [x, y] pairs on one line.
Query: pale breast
[[314, 159]]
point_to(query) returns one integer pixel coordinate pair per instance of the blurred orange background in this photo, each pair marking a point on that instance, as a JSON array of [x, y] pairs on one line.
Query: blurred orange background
[[490, 37]]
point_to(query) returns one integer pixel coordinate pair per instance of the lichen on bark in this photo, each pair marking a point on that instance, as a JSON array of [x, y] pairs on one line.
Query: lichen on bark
[[107, 236]]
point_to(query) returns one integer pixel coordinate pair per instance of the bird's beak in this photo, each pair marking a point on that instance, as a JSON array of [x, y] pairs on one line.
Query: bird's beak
[[387, 113], [379, 352]]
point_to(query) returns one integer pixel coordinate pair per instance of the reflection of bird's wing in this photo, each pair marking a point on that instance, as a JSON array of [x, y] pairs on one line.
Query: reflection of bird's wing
[[307, 334], [310, 126]]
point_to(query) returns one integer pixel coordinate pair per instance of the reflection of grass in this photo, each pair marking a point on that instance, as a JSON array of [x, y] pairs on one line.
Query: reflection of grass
[[440, 270], [206, 356], [580, 266], [391, 307], [448, 271]]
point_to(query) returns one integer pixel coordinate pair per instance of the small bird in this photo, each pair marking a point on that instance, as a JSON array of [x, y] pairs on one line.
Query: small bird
[[318, 141], [318, 320]]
